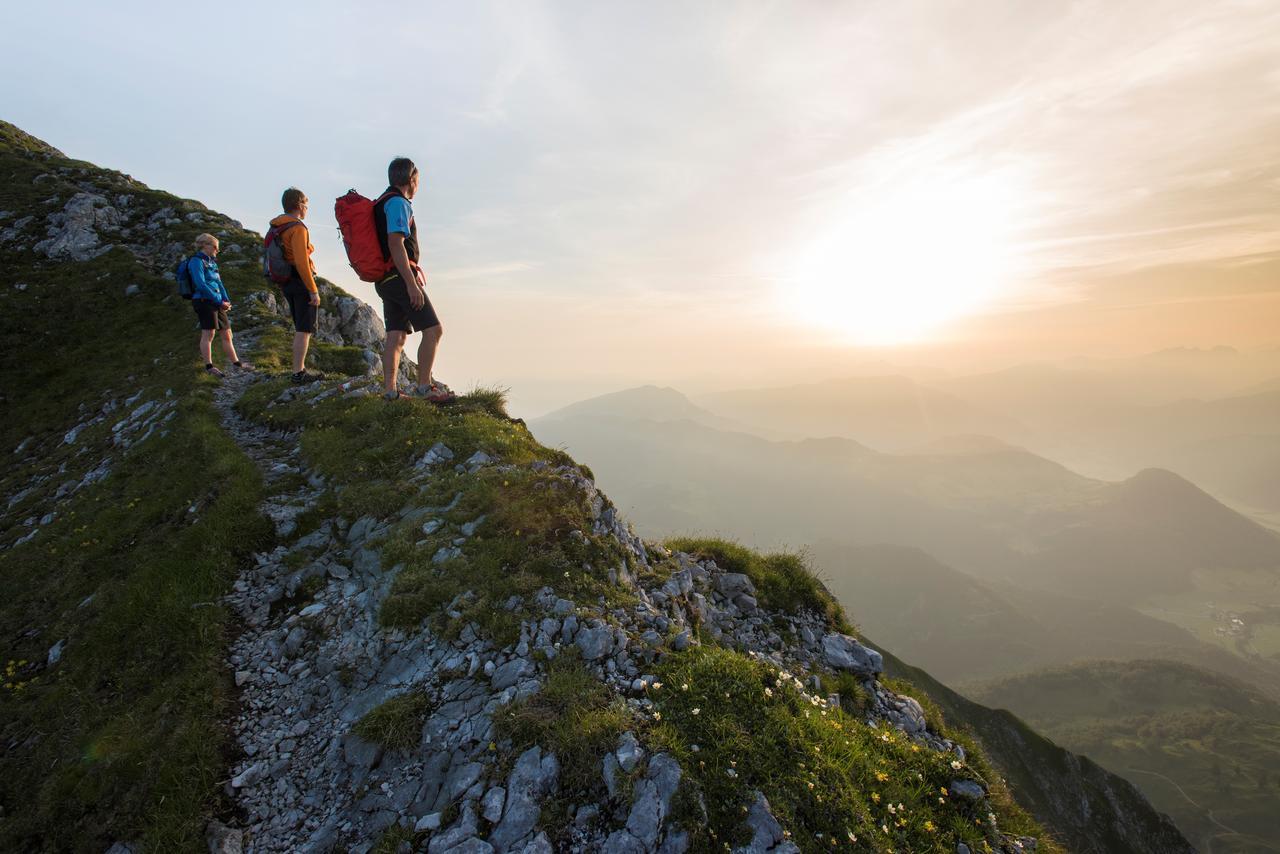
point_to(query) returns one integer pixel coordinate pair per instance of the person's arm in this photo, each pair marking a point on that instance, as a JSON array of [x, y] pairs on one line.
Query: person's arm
[[297, 241], [399, 257], [200, 287]]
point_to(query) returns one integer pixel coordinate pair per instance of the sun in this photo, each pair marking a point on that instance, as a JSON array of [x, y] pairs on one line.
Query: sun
[[904, 260]]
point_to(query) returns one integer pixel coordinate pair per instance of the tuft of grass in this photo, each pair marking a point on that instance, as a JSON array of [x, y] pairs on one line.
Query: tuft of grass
[[397, 723], [783, 580], [736, 726], [574, 716], [392, 838]]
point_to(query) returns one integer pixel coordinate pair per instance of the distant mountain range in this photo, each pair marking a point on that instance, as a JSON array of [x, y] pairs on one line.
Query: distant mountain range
[[995, 511], [1204, 747]]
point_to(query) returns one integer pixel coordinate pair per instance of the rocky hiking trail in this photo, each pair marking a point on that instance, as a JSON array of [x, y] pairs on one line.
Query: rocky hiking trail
[[312, 660]]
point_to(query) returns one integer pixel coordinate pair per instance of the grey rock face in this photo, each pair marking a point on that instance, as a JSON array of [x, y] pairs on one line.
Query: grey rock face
[[629, 752], [765, 830], [223, 840], [73, 233], [595, 643], [731, 584], [457, 835], [969, 790], [842, 652], [359, 753], [532, 778]]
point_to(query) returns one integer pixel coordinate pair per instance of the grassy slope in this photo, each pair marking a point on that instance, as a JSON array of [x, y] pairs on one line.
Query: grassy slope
[[122, 738], [1216, 738]]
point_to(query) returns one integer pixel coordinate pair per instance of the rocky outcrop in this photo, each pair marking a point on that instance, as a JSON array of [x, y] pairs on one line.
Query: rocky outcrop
[[313, 661], [74, 233]]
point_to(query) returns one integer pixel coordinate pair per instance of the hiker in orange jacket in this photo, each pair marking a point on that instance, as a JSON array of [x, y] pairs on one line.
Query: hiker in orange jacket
[[300, 290]]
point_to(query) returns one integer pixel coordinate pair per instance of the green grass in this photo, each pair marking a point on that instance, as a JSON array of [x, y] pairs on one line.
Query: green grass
[[537, 525], [124, 738], [574, 716], [397, 723], [736, 727], [783, 580]]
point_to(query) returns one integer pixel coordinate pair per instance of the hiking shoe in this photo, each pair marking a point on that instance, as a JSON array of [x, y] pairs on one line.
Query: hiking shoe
[[304, 376], [394, 394], [244, 367], [431, 393], [214, 371], [438, 392]]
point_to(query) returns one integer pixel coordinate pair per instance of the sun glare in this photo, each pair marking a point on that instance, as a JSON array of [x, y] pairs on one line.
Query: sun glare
[[904, 260]]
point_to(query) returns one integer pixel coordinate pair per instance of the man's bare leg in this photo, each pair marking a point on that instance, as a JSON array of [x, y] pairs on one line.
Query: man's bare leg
[[301, 341], [391, 358], [206, 346], [427, 353]]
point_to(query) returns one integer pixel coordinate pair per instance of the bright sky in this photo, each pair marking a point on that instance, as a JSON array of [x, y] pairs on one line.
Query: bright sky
[[721, 193]]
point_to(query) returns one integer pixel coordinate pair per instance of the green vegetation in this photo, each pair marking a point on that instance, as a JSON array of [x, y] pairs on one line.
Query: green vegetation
[[534, 525], [1167, 727], [737, 726], [783, 580], [123, 738], [576, 717], [397, 723]]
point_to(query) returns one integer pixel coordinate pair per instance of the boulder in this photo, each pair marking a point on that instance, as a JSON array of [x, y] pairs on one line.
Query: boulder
[[842, 652]]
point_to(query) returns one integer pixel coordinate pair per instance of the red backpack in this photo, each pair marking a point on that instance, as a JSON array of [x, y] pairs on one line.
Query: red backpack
[[360, 237]]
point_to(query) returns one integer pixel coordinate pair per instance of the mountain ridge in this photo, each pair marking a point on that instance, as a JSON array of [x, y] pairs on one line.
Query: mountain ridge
[[417, 599]]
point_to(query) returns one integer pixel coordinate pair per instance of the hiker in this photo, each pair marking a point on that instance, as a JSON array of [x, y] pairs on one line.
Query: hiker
[[211, 302], [405, 307], [300, 289]]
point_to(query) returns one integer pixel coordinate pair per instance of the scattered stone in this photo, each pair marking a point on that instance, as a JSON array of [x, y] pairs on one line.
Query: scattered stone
[[969, 790], [222, 839]]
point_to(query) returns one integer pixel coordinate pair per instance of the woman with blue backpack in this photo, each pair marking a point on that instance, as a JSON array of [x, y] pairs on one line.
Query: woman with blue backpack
[[211, 302]]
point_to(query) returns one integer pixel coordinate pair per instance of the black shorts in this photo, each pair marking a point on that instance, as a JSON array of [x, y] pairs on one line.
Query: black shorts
[[300, 307], [212, 315], [399, 315]]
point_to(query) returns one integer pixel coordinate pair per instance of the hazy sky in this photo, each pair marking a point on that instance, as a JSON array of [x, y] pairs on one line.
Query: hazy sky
[[720, 193]]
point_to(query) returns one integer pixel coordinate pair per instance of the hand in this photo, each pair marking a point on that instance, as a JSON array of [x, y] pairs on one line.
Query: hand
[[417, 296], [315, 297]]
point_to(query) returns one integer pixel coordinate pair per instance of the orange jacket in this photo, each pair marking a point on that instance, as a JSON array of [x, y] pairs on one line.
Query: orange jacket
[[297, 244]]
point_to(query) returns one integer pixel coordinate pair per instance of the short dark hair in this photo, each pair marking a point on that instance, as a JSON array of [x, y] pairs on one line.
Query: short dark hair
[[291, 198], [401, 172]]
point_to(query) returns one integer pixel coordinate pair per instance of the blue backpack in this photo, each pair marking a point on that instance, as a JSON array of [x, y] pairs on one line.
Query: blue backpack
[[182, 273]]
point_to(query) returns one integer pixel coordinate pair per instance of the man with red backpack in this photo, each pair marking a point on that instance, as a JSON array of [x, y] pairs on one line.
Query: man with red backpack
[[405, 307], [292, 245]]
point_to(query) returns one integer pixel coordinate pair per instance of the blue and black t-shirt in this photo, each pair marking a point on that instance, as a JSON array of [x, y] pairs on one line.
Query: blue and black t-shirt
[[394, 215]]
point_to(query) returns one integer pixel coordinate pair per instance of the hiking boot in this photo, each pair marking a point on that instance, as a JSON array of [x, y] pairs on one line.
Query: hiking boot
[[244, 367], [394, 394], [438, 392], [431, 393], [304, 376], [213, 371]]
